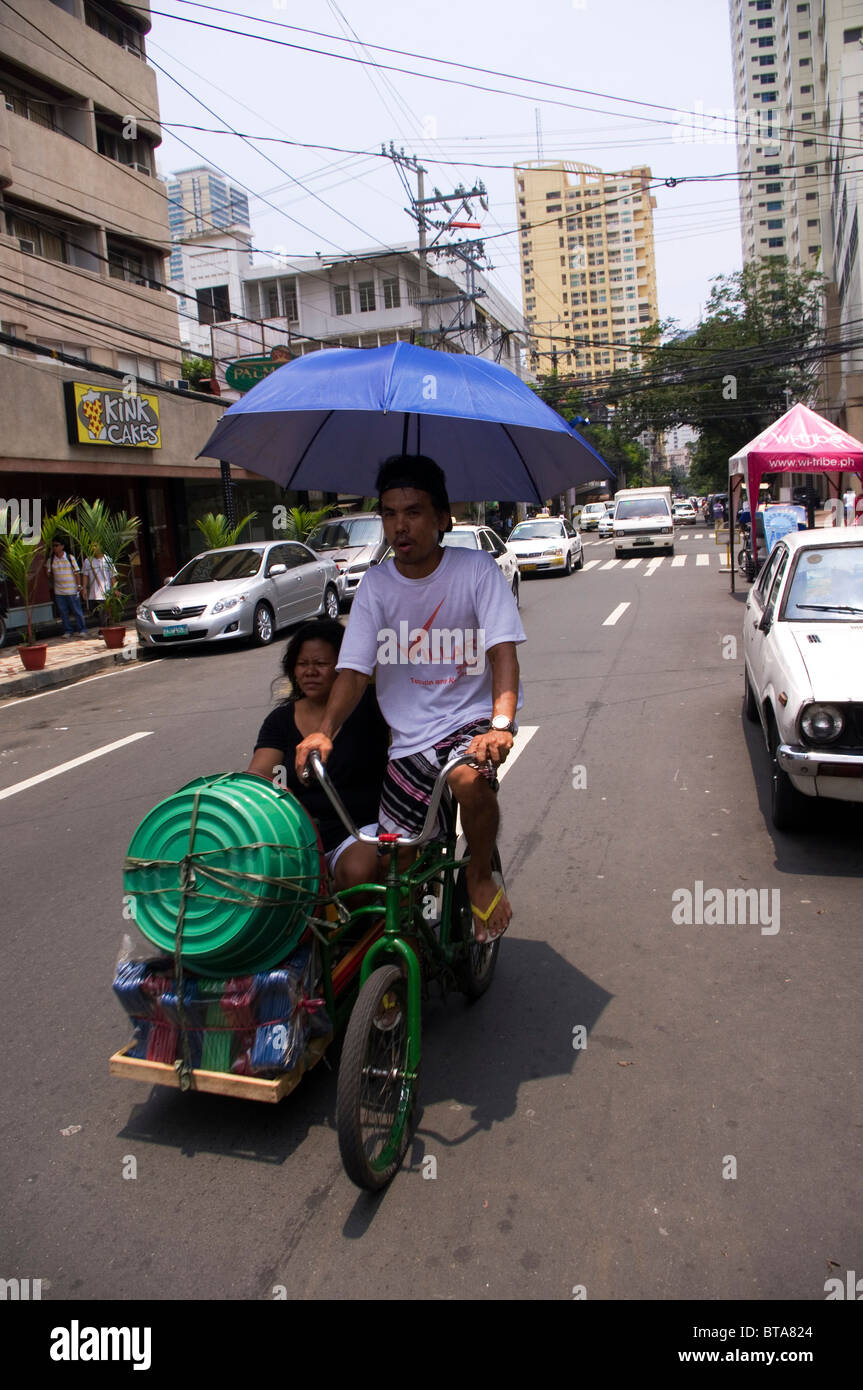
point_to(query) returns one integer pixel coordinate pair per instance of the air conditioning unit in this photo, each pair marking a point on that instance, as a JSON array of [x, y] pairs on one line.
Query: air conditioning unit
[[181, 384], [142, 169], [28, 246]]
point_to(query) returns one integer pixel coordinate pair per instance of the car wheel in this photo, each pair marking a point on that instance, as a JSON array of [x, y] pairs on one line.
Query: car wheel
[[786, 802], [567, 569], [515, 589], [579, 564], [750, 705], [263, 626], [330, 605]]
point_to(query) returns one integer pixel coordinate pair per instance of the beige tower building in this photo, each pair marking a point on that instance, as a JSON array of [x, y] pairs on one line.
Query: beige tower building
[[587, 264]]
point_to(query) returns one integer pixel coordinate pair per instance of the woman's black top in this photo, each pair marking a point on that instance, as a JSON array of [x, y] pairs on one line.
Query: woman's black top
[[356, 765]]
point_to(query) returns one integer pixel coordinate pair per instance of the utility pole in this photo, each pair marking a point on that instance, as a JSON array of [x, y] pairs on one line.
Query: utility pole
[[459, 213]]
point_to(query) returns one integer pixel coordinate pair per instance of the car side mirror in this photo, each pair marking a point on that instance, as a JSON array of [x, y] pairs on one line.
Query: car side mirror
[[276, 569], [766, 621], [169, 579]]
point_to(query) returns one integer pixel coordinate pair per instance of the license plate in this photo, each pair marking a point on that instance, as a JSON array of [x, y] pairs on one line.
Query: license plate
[[177, 630], [642, 540], [531, 566]]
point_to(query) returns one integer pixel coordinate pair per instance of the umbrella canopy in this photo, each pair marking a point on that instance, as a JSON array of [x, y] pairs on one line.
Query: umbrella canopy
[[329, 419]]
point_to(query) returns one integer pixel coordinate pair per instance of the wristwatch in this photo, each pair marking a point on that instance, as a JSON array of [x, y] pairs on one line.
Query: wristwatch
[[504, 725]]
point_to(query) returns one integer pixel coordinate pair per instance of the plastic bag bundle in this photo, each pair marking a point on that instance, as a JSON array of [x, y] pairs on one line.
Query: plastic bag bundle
[[253, 1025]]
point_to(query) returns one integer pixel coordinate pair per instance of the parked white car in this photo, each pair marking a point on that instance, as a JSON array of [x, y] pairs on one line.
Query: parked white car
[[546, 544], [684, 514], [803, 654]]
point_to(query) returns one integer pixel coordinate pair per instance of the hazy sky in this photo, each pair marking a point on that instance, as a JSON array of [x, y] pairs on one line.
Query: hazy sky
[[672, 53]]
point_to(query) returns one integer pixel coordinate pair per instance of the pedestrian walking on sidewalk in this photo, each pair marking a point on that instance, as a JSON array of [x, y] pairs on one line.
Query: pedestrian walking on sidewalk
[[64, 574], [98, 575]]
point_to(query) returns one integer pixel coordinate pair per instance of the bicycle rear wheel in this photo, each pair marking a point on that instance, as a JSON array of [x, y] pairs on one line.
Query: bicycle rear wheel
[[376, 1092]]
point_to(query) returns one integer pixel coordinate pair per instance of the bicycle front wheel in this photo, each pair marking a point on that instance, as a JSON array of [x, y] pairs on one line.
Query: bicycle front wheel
[[376, 1091]]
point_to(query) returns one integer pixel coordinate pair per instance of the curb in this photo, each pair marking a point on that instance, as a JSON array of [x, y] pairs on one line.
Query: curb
[[33, 681]]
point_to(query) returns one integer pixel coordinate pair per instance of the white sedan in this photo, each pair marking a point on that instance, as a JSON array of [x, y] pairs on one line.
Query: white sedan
[[683, 513], [546, 544], [803, 655]]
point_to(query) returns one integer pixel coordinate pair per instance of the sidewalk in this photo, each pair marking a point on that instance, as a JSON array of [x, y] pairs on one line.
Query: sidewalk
[[67, 662]]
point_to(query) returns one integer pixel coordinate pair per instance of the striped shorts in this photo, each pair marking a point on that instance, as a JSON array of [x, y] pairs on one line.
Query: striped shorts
[[409, 782]]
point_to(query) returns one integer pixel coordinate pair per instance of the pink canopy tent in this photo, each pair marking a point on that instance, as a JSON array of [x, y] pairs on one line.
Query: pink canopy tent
[[798, 442]]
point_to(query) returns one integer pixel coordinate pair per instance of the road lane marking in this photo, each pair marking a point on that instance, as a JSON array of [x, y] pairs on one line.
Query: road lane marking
[[654, 564], [58, 689], [630, 564], [699, 537], [618, 613], [610, 564], [702, 559], [74, 762], [678, 561], [522, 739], [588, 566]]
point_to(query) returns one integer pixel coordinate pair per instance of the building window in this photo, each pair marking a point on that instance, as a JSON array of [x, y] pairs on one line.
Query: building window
[[776, 241], [130, 263], [23, 103], [136, 154], [810, 169], [342, 294], [413, 294], [111, 28], [392, 294], [366, 290], [34, 239], [773, 207], [214, 304]]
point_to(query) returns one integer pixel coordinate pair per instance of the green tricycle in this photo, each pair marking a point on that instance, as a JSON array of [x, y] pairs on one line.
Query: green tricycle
[[376, 945], [427, 933]]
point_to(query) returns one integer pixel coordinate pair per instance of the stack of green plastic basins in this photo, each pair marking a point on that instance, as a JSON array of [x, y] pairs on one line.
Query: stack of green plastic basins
[[235, 812]]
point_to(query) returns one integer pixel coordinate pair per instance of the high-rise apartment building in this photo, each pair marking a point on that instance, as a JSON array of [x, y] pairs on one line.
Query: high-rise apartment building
[[781, 120], [587, 264], [210, 251]]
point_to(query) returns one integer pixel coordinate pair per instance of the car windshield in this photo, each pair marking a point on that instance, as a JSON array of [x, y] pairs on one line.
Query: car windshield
[[635, 509], [346, 531], [465, 540], [537, 530], [593, 507], [216, 565], [826, 585]]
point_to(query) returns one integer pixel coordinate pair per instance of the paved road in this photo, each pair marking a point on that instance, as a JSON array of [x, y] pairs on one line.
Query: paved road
[[707, 1046]]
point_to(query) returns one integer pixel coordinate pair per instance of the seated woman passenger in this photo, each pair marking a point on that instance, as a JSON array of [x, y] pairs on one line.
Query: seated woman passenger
[[358, 760]]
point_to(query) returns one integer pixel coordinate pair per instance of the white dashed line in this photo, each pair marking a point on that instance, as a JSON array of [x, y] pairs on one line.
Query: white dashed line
[[588, 565], [678, 561], [618, 613], [630, 564], [654, 564], [702, 559], [74, 762], [610, 564]]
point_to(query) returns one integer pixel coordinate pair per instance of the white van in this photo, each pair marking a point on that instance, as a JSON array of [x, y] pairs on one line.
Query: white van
[[643, 520]]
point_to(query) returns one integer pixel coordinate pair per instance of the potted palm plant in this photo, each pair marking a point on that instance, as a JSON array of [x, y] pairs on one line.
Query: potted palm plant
[[21, 559], [216, 531], [105, 539]]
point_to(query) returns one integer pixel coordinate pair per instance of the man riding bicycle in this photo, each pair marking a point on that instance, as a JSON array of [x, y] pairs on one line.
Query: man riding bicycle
[[439, 627]]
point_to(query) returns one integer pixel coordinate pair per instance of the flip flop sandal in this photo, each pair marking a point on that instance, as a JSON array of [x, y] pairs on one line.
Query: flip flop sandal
[[484, 915]]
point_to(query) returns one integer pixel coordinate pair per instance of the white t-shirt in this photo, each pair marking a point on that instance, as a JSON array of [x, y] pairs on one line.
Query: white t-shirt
[[428, 639]]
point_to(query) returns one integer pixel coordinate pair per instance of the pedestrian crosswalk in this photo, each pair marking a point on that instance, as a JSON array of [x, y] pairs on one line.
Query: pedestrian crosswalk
[[649, 564]]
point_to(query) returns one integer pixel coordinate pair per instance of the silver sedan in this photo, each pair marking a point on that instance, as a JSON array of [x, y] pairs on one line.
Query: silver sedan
[[240, 591]]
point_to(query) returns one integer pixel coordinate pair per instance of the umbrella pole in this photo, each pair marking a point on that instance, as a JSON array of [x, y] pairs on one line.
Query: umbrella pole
[[405, 434]]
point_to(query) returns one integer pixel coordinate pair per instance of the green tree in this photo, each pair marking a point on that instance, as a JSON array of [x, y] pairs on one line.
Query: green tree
[[197, 369], [759, 337], [216, 531]]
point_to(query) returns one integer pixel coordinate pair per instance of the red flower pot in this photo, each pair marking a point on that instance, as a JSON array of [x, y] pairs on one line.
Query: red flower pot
[[33, 657], [113, 636]]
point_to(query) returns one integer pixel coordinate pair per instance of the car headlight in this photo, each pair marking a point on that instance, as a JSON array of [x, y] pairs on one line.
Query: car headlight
[[555, 550], [224, 604], [666, 530], [620, 533], [822, 723], [144, 613]]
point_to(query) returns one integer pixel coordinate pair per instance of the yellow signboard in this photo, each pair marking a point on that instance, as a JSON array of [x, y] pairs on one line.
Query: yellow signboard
[[105, 415]]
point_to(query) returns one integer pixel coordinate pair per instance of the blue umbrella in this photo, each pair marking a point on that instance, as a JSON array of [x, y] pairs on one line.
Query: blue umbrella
[[327, 421]]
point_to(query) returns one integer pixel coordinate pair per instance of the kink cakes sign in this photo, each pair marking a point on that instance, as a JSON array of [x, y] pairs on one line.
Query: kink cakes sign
[[102, 415]]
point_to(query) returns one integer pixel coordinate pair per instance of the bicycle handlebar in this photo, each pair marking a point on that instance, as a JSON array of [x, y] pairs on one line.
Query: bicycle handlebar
[[400, 841]]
